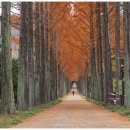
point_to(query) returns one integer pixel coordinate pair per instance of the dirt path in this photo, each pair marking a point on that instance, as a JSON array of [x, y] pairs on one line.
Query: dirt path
[[75, 112]]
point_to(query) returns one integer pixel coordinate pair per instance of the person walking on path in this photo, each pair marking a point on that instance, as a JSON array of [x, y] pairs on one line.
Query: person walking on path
[[73, 92]]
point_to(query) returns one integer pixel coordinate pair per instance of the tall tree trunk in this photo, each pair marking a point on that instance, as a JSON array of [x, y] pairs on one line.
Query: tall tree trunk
[[86, 80], [52, 54], [42, 55], [126, 27], [99, 53], [22, 92], [37, 52], [7, 94], [30, 60], [117, 42], [108, 87], [46, 53], [51, 41], [55, 64], [93, 65]]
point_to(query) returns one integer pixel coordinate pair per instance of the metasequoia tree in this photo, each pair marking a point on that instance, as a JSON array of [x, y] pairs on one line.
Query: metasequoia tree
[[126, 24], [46, 53], [22, 99], [100, 61], [108, 87], [58, 41], [37, 49], [30, 56], [117, 42], [93, 66], [99, 53], [7, 94], [37, 55]]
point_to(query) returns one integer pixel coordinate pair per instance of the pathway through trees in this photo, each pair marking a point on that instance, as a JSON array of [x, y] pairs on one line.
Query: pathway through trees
[[72, 113]]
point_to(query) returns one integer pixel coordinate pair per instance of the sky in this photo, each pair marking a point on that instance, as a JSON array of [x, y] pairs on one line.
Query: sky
[[12, 10]]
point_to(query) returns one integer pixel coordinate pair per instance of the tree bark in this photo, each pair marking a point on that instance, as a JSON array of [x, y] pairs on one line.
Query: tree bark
[[117, 43], [93, 64], [126, 27], [37, 43], [99, 53], [22, 92], [108, 86], [30, 56], [46, 53], [7, 94]]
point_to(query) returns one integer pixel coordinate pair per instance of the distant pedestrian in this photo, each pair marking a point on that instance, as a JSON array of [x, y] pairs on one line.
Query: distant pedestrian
[[73, 92]]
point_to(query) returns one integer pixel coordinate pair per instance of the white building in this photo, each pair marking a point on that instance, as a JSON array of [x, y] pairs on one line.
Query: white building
[[14, 41]]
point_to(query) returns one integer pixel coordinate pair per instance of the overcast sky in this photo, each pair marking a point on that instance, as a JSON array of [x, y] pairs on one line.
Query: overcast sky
[[12, 10]]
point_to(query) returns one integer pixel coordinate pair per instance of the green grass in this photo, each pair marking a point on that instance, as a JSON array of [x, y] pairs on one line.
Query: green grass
[[9, 120], [124, 111]]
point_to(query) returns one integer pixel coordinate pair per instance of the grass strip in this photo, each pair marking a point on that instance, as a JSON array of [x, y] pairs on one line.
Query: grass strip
[[9, 120], [122, 110]]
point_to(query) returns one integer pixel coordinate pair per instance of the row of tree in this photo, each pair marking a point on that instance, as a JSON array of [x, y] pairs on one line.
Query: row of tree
[[107, 20], [40, 77]]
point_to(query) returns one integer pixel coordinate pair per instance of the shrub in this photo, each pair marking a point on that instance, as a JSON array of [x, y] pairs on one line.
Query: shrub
[[14, 75]]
